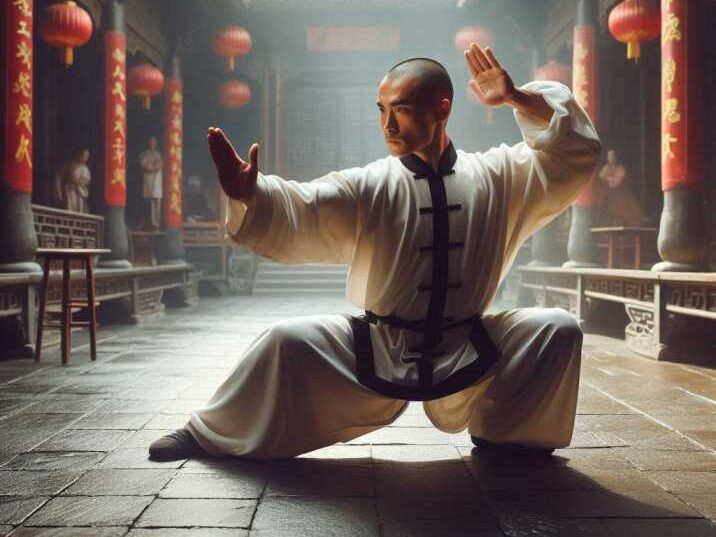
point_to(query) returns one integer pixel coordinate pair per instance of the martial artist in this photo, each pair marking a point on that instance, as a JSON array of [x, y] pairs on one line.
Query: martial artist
[[428, 232]]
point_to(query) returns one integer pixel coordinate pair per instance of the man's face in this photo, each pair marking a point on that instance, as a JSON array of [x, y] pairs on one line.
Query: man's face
[[84, 156], [407, 120], [611, 156]]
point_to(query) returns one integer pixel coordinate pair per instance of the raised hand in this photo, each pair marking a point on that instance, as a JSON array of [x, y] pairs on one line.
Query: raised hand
[[237, 176], [490, 82]]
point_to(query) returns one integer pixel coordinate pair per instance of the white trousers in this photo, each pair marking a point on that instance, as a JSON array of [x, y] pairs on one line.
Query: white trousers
[[295, 389]]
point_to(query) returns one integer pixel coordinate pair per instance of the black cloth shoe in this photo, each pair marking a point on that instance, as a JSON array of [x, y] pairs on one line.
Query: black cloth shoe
[[180, 444], [496, 448]]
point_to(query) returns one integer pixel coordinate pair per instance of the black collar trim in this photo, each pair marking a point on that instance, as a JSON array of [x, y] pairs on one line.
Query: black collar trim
[[419, 167]]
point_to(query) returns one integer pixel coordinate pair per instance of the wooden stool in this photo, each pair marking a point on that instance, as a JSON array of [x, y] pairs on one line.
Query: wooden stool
[[65, 325]]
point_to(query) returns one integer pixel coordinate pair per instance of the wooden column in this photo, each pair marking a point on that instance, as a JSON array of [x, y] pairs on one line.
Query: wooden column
[[172, 248], [683, 239], [581, 247], [18, 241], [114, 141]]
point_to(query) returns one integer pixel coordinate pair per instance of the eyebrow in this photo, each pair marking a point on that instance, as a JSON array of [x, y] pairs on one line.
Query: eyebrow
[[398, 102]]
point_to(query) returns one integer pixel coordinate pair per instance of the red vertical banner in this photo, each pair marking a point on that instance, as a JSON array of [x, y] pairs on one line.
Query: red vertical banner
[[17, 19], [115, 118], [173, 163], [681, 108], [584, 86]]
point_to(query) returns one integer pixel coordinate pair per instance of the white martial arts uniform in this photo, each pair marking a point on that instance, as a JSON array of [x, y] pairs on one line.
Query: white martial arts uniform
[[297, 389]]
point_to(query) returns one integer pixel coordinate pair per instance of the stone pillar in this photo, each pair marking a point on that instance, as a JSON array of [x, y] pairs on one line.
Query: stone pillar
[[115, 137], [581, 247], [18, 240], [545, 247], [683, 237], [171, 250]]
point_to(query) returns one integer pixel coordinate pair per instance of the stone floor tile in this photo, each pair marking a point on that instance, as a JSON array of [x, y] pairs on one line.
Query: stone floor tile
[[90, 511], [33, 483], [353, 517], [691, 461], [419, 508], [441, 528], [133, 406], [5, 529], [415, 453], [685, 482], [167, 421], [121, 482], [116, 531], [439, 479], [84, 440], [24, 431], [703, 503], [113, 421], [219, 513], [313, 477], [188, 532], [228, 484], [658, 527], [14, 509], [404, 435], [54, 460], [143, 438], [135, 458]]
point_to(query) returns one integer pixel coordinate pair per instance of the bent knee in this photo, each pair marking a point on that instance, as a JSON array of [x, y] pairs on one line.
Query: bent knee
[[564, 325]]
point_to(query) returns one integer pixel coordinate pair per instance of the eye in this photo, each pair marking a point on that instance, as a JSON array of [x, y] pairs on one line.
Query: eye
[[402, 109]]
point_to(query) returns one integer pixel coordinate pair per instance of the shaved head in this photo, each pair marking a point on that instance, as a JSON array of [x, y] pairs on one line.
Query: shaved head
[[432, 82]]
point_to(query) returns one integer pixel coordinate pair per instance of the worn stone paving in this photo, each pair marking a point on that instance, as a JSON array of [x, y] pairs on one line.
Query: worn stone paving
[[73, 450]]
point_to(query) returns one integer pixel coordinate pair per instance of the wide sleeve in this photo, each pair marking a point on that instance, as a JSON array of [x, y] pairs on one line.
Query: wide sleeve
[[541, 176], [299, 222]]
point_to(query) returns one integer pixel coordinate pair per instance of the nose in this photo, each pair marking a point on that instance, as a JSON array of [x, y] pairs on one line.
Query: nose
[[390, 125]]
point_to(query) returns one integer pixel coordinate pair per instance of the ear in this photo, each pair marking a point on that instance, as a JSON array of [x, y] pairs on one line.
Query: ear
[[443, 109]]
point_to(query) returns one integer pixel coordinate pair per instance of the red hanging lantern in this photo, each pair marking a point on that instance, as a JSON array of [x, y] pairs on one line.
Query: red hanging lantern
[[231, 42], [66, 25], [556, 71], [633, 22], [473, 34], [234, 94], [145, 81]]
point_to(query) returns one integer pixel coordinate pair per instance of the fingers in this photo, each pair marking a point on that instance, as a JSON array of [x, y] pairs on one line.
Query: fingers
[[474, 68], [221, 149], [254, 156], [491, 58], [480, 56]]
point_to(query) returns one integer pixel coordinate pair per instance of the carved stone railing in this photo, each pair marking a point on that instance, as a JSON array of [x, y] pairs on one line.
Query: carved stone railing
[[670, 314], [57, 228]]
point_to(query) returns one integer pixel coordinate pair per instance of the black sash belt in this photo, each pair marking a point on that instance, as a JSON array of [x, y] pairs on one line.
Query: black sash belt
[[487, 353]]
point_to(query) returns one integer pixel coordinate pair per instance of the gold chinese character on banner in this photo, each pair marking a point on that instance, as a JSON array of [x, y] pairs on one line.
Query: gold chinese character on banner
[[24, 116], [580, 51], [23, 85], [118, 90], [176, 123], [666, 141], [24, 7], [22, 29], [118, 177], [119, 111], [174, 202], [118, 55], [671, 31], [118, 72], [671, 114], [23, 151], [669, 73], [118, 151], [176, 97], [118, 127], [24, 52]]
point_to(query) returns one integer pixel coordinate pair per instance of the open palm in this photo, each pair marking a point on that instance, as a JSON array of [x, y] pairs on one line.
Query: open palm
[[490, 82], [237, 176]]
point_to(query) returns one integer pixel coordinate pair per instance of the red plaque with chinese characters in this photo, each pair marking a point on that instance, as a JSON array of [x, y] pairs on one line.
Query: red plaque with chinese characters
[[17, 19], [681, 107], [115, 119], [173, 161], [584, 86]]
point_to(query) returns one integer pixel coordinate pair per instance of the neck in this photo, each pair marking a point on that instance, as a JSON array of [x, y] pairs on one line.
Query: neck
[[433, 151]]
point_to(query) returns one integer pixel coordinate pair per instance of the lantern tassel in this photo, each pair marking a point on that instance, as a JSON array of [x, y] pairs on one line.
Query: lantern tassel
[[146, 102], [232, 63], [68, 56], [633, 50]]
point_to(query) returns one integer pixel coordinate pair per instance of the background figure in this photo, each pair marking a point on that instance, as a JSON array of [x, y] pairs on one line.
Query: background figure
[[617, 204], [150, 160], [72, 183]]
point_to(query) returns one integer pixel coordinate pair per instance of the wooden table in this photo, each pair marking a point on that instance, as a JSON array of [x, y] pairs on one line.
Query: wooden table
[[67, 255], [616, 236]]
